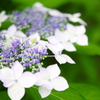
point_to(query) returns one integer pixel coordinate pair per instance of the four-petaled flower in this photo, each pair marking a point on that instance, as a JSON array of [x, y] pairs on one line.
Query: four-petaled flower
[[11, 34], [76, 34], [75, 18], [62, 39], [48, 79], [16, 80], [61, 58]]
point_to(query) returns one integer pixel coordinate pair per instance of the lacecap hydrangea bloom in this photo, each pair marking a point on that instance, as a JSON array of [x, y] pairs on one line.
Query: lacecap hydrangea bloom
[[26, 43]]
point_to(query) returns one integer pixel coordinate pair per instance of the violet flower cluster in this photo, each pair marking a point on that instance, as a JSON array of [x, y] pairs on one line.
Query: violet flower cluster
[[26, 43]]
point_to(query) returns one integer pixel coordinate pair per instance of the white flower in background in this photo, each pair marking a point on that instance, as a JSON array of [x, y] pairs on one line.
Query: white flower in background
[[61, 58], [54, 12], [75, 18], [39, 6], [11, 34], [3, 17], [77, 35], [71, 17], [61, 38], [48, 79], [16, 81], [34, 38]]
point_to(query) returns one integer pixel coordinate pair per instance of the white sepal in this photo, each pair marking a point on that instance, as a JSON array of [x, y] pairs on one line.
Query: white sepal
[[63, 58], [60, 84], [27, 80], [44, 92], [16, 92]]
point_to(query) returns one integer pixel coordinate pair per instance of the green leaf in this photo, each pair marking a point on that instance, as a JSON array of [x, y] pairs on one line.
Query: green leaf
[[91, 49], [4, 96], [89, 92], [76, 91], [47, 3], [88, 64], [69, 94]]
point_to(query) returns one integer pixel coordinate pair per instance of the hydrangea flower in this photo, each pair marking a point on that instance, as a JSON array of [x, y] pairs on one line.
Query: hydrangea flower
[[54, 12], [3, 17], [75, 18], [61, 58], [26, 43], [39, 6], [61, 38], [11, 34], [76, 34], [48, 79], [16, 80]]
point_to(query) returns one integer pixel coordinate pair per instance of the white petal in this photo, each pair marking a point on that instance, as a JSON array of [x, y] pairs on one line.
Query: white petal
[[61, 36], [48, 85], [42, 77], [60, 84], [56, 49], [77, 15], [11, 30], [69, 47], [60, 59], [63, 59], [2, 14], [16, 92], [71, 29], [53, 71], [6, 74], [52, 40], [68, 59], [3, 18], [17, 69], [44, 92], [82, 22], [82, 40], [35, 36], [44, 72], [55, 12], [8, 83], [73, 19], [73, 39], [43, 43], [80, 30], [38, 5], [27, 79], [20, 34]]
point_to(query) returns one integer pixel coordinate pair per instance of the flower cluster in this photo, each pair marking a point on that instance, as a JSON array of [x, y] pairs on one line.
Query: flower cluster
[[24, 45]]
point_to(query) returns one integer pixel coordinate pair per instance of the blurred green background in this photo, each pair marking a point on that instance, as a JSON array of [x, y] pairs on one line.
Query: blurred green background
[[87, 58]]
